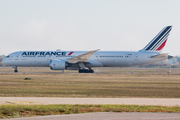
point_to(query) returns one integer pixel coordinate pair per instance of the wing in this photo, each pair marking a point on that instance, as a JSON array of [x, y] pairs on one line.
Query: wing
[[82, 58]]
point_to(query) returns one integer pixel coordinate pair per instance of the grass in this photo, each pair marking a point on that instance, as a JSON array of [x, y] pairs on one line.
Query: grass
[[114, 83], [107, 82], [12, 111]]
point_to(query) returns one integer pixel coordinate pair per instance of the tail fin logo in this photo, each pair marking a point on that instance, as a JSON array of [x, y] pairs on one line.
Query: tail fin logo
[[70, 53], [159, 41]]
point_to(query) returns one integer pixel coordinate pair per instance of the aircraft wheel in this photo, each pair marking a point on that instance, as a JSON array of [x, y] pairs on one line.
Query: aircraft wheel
[[91, 71], [80, 71], [86, 71], [15, 71]]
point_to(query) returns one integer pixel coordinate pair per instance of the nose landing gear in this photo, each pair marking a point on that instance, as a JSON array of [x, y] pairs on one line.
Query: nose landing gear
[[15, 67]]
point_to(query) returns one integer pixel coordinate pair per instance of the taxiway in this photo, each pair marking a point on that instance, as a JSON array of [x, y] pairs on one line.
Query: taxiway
[[125, 101]]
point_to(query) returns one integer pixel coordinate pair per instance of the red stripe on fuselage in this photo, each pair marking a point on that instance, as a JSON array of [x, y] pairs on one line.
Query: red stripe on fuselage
[[161, 46], [70, 53]]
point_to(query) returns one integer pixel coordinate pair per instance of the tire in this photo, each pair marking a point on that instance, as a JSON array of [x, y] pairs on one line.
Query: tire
[[91, 71], [86, 71], [80, 71], [15, 71]]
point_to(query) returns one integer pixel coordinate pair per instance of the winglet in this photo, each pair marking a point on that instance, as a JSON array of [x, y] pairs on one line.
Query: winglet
[[82, 58]]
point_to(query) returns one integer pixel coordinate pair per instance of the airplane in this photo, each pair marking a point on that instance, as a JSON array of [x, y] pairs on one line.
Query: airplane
[[84, 61]]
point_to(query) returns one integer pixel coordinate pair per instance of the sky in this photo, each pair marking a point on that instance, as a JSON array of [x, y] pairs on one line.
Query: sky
[[108, 25]]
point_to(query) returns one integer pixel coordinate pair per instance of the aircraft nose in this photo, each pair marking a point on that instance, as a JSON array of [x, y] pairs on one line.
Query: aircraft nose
[[3, 61]]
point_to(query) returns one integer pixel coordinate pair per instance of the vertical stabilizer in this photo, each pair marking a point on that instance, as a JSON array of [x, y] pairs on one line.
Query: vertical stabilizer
[[159, 41]]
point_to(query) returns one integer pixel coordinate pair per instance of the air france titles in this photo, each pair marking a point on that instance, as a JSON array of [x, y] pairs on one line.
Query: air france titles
[[42, 54]]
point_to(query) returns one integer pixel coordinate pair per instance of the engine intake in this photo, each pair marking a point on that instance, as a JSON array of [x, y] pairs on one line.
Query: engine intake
[[58, 64]]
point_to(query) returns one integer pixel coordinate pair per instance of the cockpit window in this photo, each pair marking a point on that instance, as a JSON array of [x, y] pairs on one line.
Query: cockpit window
[[8, 56]]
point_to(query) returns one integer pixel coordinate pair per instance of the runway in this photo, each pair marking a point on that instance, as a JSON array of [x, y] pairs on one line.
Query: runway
[[107, 116], [125, 101]]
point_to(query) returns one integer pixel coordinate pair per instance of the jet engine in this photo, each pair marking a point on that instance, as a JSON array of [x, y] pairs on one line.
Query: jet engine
[[58, 64]]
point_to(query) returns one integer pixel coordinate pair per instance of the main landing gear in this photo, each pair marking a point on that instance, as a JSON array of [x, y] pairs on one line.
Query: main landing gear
[[15, 67], [83, 70], [86, 71]]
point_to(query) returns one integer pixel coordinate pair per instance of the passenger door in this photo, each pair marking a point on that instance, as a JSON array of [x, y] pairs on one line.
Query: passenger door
[[16, 57], [136, 57], [128, 59]]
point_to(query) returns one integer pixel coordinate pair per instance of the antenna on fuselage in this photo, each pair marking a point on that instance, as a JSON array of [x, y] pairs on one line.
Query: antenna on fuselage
[[58, 50]]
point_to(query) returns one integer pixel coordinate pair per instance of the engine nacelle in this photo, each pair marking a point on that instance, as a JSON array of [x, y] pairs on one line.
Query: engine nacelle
[[58, 64]]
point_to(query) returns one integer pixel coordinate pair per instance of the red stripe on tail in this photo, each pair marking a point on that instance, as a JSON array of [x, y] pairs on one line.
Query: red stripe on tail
[[161, 46]]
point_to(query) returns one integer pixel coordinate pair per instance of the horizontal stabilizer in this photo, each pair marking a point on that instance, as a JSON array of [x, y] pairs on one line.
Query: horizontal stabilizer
[[160, 55]]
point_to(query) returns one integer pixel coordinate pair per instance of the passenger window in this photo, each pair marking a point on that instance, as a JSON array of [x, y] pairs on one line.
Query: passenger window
[[8, 56]]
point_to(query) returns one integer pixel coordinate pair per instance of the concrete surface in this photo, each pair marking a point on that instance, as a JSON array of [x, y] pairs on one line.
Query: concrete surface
[[107, 116], [125, 101]]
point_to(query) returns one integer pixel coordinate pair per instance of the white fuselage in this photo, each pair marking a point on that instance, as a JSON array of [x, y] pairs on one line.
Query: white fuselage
[[98, 59], [80, 60]]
